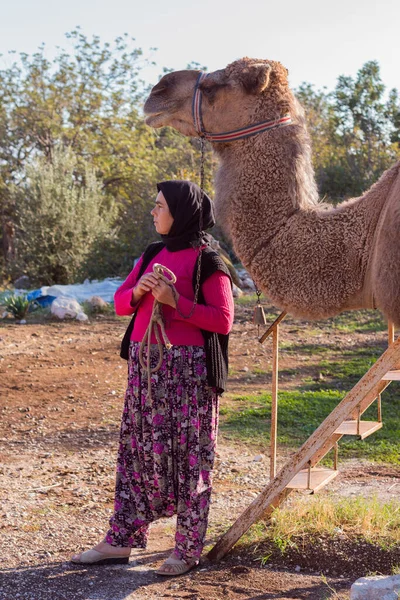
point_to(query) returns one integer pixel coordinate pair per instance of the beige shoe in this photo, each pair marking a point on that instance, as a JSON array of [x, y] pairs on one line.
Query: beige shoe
[[94, 557], [172, 567]]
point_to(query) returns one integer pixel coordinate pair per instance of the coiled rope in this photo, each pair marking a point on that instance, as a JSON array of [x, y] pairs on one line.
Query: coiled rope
[[157, 318]]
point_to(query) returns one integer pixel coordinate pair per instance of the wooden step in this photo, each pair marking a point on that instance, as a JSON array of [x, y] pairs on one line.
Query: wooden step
[[312, 481], [365, 428], [392, 376]]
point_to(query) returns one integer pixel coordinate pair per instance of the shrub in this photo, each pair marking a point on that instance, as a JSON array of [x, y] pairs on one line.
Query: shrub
[[17, 305], [61, 212]]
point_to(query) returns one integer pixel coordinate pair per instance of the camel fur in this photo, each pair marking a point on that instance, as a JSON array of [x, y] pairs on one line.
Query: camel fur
[[311, 259]]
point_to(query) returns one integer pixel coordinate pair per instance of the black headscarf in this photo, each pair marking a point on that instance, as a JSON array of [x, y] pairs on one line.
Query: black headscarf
[[184, 201]]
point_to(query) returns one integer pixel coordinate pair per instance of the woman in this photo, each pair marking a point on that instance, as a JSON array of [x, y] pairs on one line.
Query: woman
[[168, 437]]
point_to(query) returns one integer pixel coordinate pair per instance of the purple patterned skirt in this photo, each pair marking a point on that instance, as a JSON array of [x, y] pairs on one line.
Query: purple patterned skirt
[[166, 450]]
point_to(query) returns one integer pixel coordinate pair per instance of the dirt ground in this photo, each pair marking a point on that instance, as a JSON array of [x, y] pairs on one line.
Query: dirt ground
[[62, 388]]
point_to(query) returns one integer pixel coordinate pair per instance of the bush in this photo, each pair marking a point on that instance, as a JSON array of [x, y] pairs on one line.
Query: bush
[[17, 305], [61, 213]]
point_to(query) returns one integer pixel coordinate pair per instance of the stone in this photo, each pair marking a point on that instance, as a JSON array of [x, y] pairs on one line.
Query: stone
[[22, 283], [236, 291], [97, 303], [82, 316], [63, 307], [248, 284], [258, 458], [376, 588]]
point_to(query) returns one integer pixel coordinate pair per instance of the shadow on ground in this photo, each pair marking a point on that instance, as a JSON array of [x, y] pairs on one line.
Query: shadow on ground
[[224, 580]]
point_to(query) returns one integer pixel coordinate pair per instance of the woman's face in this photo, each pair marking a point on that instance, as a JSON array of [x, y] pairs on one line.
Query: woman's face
[[162, 217]]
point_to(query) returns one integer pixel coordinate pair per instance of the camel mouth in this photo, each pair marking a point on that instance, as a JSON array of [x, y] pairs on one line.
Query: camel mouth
[[154, 120]]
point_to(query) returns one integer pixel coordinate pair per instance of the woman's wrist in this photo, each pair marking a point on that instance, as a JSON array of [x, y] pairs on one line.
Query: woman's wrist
[[135, 297], [175, 296]]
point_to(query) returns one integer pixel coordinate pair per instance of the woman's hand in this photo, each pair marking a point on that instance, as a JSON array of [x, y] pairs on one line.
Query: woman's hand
[[163, 293], [145, 284]]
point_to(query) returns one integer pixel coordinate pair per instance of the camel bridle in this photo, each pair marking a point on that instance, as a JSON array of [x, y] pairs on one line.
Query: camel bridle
[[236, 134]]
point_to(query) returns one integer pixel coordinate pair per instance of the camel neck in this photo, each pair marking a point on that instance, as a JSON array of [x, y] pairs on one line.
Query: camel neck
[[261, 183]]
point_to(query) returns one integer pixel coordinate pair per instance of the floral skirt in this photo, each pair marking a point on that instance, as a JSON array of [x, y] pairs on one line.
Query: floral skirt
[[166, 450]]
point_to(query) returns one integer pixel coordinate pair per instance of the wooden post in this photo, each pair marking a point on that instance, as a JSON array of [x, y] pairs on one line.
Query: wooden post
[[390, 333], [365, 402], [335, 456], [272, 327], [274, 400], [309, 475], [379, 408]]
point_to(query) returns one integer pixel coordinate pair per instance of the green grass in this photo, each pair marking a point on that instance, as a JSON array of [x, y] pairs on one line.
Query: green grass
[[357, 321], [373, 520], [300, 412], [343, 374], [246, 299], [329, 372], [307, 349], [320, 532]]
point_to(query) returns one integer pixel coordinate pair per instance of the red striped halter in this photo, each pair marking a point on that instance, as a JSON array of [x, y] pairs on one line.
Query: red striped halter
[[236, 134]]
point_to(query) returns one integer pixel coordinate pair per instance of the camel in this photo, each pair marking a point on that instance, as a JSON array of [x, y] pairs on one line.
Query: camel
[[311, 259]]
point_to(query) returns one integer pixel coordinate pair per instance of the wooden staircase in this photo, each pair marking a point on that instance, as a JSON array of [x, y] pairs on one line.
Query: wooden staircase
[[301, 471]]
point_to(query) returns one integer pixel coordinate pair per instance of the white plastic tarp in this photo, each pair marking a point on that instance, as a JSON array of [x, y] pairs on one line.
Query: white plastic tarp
[[83, 291]]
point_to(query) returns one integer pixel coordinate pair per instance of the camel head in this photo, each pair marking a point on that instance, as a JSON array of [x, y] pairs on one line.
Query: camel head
[[246, 91]]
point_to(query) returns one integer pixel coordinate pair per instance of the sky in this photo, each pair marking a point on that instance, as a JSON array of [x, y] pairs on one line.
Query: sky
[[316, 40]]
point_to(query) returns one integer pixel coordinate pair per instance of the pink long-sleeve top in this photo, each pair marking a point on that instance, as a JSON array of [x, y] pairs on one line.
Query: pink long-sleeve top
[[216, 315]]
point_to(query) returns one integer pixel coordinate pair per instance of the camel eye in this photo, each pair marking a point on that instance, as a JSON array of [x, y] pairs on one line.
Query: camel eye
[[209, 92]]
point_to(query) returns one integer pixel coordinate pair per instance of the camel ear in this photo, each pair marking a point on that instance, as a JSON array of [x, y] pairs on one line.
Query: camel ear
[[255, 78]]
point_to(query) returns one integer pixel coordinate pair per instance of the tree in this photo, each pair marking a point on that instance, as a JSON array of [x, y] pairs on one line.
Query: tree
[[319, 113], [90, 101], [354, 131], [60, 216], [364, 125], [87, 101]]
